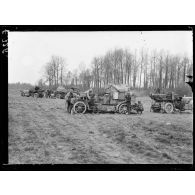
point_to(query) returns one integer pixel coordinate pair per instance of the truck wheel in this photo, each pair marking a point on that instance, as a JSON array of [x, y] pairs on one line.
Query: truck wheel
[[168, 108], [79, 107], [123, 108]]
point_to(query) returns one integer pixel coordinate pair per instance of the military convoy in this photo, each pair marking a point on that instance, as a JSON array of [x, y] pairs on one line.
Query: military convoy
[[34, 92], [113, 100]]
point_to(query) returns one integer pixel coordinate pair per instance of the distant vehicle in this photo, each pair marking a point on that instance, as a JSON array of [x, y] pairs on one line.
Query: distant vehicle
[[170, 102], [34, 92], [47, 93], [25, 93], [60, 92], [37, 92]]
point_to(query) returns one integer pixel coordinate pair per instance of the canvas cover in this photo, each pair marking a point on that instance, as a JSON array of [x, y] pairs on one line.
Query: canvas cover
[[61, 89], [119, 88]]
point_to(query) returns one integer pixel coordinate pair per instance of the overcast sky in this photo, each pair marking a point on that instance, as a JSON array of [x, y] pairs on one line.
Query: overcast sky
[[30, 51]]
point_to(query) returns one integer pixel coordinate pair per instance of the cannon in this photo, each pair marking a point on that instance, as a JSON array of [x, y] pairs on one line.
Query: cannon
[[170, 102]]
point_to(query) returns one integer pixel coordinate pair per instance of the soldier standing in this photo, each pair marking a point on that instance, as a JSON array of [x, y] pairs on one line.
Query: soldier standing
[[128, 100], [90, 97], [68, 97], [89, 93]]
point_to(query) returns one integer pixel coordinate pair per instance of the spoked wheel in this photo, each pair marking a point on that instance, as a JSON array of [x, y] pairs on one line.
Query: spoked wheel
[[123, 109], [168, 108], [79, 107]]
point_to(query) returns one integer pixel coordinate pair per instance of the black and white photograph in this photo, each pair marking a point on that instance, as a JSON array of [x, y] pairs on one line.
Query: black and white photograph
[[100, 97], [96, 97]]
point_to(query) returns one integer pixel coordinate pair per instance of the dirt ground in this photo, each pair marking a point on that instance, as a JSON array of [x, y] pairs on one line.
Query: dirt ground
[[41, 132]]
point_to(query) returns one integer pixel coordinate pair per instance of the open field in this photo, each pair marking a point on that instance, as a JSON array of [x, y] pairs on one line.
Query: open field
[[40, 131]]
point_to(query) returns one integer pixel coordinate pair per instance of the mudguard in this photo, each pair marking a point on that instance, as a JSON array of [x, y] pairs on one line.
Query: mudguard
[[117, 106]]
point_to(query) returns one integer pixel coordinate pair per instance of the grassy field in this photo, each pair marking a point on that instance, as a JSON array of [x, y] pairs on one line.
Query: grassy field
[[40, 131]]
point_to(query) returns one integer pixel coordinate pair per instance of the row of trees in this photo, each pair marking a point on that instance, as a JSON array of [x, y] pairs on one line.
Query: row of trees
[[141, 69], [138, 69]]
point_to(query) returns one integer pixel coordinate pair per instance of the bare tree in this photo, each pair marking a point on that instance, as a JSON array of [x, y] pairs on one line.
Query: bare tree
[[135, 69], [161, 63], [141, 66], [120, 66], [54, 71]]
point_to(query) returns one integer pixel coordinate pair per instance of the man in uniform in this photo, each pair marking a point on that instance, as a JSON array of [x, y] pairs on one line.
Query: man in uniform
[[91, 99], [128, 100], [89, 93], [90, 96], [68, 97]]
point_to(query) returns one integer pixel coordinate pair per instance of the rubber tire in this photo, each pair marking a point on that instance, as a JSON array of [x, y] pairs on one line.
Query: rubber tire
[[79, 102], [119, 108], [169, 108]]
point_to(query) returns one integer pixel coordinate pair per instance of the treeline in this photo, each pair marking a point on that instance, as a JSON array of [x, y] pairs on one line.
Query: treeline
[[138, 69], [56, 74]]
